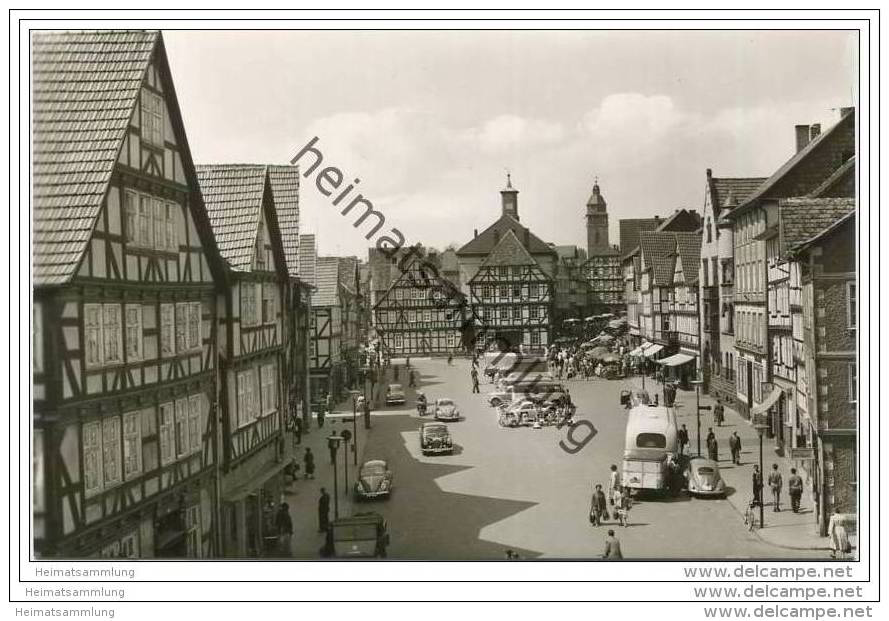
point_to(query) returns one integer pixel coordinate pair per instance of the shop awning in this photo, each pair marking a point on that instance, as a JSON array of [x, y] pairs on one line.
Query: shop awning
[[639, 350], [675, 360], [768, 402], [652, 351]]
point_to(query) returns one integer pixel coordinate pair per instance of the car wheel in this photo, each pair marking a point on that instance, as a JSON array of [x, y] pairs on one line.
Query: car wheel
[[496, 402]]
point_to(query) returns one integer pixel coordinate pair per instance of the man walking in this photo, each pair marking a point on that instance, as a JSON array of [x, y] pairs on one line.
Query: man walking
[[612, 547], [598, 506], [683, 439], [776, 483], [795, 489], [711, 441], [284, 524], [757, 485], [309, 462], [718, 413], [734, 444], [614, 484], [323, 511]]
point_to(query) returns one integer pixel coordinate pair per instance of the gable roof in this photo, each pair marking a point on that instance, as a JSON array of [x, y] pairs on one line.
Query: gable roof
[[681, 220], [488, 239], [631, 228], [658, 248], [233, 195], [827, 231], [688, 246], [801, 219], [726, 192], [308, 259], [508, 251], [769, 184], [327, 282], [85, 86], [285, 191], [840, 175]]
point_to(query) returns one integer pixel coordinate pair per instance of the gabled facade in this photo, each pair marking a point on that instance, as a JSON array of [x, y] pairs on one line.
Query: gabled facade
[[421, 314], [716, 280], [251, 347], [511, 297], [571, 289], [125, 272]]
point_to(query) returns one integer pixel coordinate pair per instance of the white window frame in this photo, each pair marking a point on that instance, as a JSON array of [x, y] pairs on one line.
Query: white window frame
[[269, 296], [132, 445], [181, 327], [195, 433], [145, 234], [268, 388], [131, 217], [167, 432], [134, 331], [112, 452], [249, 316], [170, 238], [152, 118], [112, 355], [193, 531], [195, 311]]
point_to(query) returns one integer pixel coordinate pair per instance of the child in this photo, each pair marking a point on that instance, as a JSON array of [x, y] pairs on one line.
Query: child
[[623, 503]]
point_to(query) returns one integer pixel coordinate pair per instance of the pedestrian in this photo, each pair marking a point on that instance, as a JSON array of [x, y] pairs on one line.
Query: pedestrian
[[284, 524], [624, 503], [734, 444], [775, 484], [795, 489], [757, 485], [450, 359], [614, 484], [669, 395], [475, 389], [366, 409], [713, 448], [323, 511], [718, 413], [309, 463], [711, 437], [298, 428], [407, 362], [612, 547], [332, 446], [598, 506], [683, 439], [412, 383]]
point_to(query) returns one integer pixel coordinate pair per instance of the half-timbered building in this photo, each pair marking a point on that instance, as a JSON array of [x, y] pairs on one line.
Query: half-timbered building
[[252, 351], [326, 373], [421, 314], [125, 274]]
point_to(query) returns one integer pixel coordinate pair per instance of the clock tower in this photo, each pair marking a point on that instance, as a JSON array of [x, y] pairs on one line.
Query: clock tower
[[597, 223]]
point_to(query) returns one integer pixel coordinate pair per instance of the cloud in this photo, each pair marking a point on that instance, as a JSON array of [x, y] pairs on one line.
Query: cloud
[[634, 119], [508, 132]]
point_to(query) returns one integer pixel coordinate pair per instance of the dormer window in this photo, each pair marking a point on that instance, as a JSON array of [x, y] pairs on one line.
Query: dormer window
[[152, 118]]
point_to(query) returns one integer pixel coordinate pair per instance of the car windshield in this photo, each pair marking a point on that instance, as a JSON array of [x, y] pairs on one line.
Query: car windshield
[[394, 387], [705, 470], [374, 467], [445, 402], [435, 432]]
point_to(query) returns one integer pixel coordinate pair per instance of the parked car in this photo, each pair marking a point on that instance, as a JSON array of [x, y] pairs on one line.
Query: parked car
[[446, 409], [703, 478], [395, 394], [435, 439], [374, 480]]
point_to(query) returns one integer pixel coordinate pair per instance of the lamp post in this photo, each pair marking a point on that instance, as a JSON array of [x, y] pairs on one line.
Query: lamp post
[[333, 442], [760, 423], [355, 394], [697, 384], [346, 435]]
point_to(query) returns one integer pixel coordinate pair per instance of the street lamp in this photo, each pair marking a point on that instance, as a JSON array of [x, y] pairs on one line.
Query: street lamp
[[355, 394], [697, 384], [333, 442], [761, 424]]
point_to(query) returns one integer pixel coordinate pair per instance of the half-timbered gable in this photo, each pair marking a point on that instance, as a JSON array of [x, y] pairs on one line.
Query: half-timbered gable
[[325, 361], [124, 272], [511, 297], [420, 314]]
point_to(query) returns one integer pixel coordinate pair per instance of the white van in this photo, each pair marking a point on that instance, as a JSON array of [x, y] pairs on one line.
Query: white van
[[651, 444]]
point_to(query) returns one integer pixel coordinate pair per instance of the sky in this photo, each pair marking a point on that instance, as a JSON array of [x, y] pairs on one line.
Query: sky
[[431, 121]]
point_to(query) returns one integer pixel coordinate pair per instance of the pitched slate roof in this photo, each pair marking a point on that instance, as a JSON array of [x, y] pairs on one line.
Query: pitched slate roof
[[233, 197], [812, 240], [285, 191], [659, 248], [85, 86], [801, 219], [488, 239], [763, 190], [509, 251], [725, 192], [327, 282], [630, 229], [308, 259]]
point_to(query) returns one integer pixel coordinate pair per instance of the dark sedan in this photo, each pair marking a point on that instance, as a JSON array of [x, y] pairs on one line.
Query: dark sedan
[[374, 480]]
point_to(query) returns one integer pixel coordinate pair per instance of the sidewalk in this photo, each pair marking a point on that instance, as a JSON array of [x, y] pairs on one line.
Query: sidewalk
[[302, 494], [785, 529]]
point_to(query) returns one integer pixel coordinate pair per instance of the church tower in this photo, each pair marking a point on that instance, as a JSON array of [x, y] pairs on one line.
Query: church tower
[[597, 224], [510, 199]]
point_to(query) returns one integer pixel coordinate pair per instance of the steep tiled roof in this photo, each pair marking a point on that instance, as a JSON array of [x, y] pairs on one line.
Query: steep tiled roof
[[490, 237], [630, 229], [233, 197], [768, 185], [689, 247], [801, 219], [308, 259], [509, 251], [84, 89], [836, 225], [681, 220], [833, 185], [285, 190], [656, 250], [327, 282], [726, 192]]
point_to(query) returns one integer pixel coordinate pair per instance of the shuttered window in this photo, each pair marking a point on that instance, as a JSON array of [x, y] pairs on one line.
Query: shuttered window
[[92, 458], [134, 331], [194, 423], [146, 218], [132, 444], [170, 240], [181, 326], [167, 433], [269, 388], [152, 118], [111, 333], [131, 217], [194, 325], [111, 450], [167, 330], [182, 444]]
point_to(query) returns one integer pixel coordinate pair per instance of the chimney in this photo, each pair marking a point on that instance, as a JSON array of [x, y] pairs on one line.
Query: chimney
[[802, 137], [709, 173], [474, 233], [846, 111], [814, 131]]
